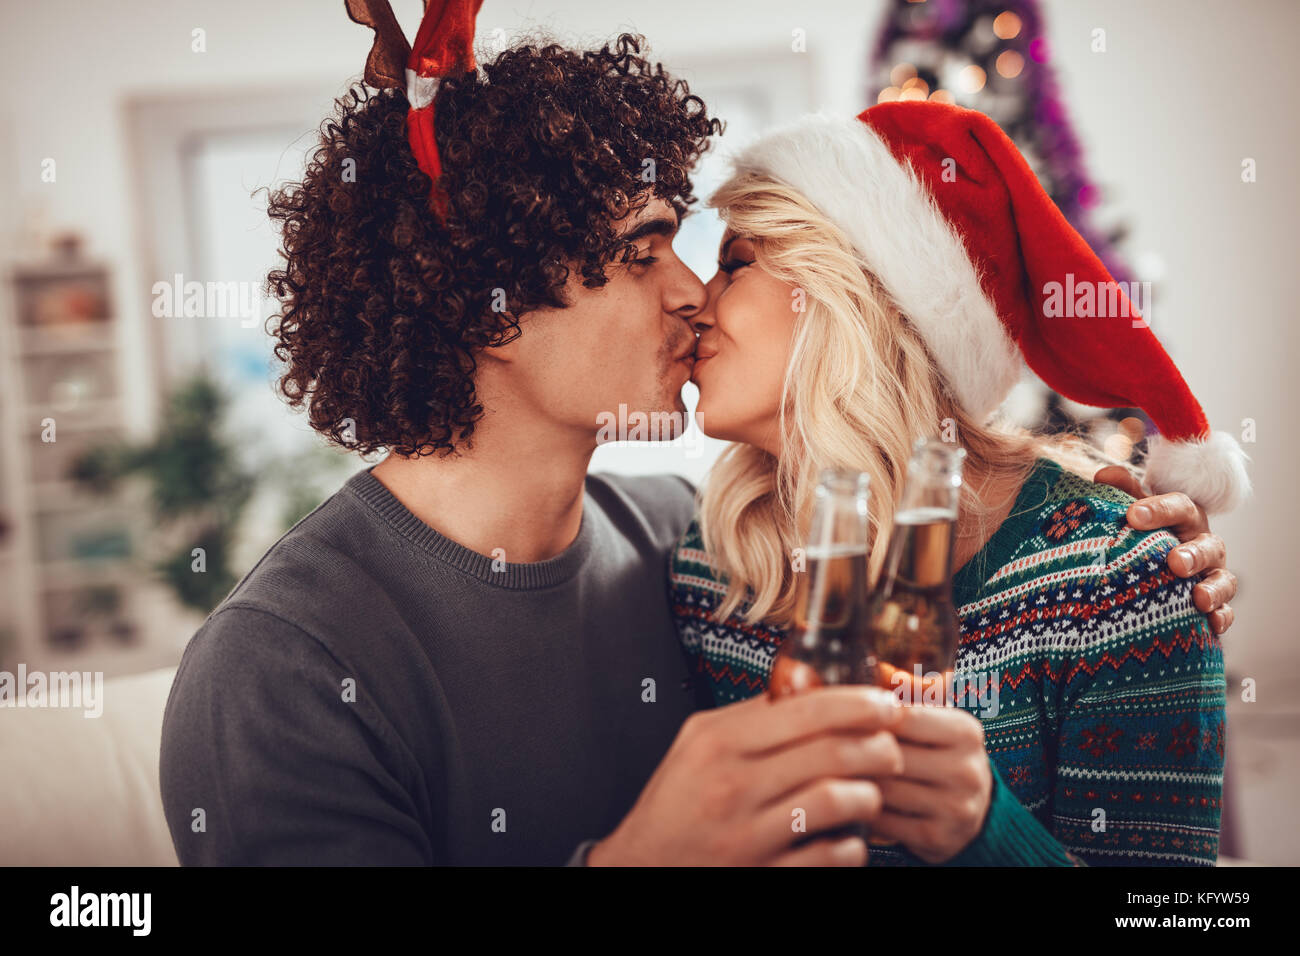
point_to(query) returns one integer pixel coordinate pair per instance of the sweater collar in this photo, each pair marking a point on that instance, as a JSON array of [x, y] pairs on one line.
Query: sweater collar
[[520, 577]]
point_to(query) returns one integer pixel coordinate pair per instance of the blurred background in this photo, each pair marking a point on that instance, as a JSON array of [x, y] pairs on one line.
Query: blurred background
[[146, 463]]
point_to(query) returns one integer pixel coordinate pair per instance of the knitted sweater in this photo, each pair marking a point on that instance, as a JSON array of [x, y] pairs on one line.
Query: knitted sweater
[[1103, 709]]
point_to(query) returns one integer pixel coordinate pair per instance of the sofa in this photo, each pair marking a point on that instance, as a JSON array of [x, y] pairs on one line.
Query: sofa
[[83, 791]]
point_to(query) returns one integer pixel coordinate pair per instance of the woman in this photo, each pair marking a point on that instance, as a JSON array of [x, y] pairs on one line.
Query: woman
[[879, 281]]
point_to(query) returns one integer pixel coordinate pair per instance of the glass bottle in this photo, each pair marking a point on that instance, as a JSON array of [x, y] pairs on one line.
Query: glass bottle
[[912, 630], [825, 645]]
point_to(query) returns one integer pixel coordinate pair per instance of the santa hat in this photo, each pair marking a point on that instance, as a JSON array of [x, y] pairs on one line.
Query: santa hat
[[947, 214]]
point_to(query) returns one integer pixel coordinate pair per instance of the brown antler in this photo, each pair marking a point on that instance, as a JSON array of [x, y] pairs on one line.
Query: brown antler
[[386, 64]]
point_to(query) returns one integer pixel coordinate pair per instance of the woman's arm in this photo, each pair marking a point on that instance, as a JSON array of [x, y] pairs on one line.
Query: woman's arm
[[1012, 836], [1139, 761], [1135, 733]]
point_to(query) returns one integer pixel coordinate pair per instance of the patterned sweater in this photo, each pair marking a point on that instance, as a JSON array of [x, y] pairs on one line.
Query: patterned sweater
[[1104, 703]]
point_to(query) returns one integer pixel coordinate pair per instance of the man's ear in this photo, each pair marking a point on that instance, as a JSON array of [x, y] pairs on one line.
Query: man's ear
[[508, 351]]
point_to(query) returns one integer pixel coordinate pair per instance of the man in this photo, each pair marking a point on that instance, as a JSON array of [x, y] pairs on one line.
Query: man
[[467, 656]]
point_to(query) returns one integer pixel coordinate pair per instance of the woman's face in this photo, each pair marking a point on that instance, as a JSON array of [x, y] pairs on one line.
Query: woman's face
[[746, 335]]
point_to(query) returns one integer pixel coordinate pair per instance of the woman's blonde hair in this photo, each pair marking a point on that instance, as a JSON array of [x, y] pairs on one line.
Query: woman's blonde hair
[[860, 388]]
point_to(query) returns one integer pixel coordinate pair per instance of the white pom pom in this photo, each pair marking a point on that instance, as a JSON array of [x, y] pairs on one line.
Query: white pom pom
[[1211, 472]]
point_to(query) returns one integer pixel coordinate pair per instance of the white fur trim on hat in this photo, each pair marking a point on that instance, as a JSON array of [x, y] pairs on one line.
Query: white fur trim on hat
[[420, 89], [1211, 472], [848, 172]]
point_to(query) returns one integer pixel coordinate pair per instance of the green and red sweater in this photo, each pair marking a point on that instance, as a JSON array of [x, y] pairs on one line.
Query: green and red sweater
[[1106, 731]]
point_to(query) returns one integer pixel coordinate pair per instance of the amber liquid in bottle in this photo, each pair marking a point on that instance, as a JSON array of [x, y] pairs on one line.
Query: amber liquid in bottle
[[826, 645], [912, 629]]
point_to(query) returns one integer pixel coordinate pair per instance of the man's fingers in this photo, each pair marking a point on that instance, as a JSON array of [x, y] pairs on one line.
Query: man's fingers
[[831, 755], [910, 798], [824, 805], [759, 724], [1221, 619], [850, 851], [900, 827], [1122, 479], [1214, 590], [1203, 553], [1174, 510]]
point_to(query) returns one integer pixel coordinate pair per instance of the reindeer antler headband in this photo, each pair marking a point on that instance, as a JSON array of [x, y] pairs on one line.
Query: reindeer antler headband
[[444, 46]]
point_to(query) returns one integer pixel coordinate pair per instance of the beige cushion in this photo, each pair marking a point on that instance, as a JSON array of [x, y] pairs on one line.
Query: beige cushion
[[83, 791]]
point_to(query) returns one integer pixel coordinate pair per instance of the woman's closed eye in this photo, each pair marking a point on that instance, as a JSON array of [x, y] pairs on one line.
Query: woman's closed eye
[[731, 265]]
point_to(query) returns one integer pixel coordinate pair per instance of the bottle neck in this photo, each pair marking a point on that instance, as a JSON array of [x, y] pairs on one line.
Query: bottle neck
[[833, 580]]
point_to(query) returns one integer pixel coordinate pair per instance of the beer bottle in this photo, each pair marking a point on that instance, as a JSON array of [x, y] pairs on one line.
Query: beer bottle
[[825, 646], [912, 630]]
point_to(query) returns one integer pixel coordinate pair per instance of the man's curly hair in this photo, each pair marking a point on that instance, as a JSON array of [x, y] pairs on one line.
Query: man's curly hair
[[384, 307]]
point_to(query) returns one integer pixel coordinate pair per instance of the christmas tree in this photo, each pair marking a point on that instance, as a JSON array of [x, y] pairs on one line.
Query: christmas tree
[[994, 57]]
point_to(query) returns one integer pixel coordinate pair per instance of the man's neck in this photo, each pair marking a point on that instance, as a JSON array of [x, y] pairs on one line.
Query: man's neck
[[519, 490]]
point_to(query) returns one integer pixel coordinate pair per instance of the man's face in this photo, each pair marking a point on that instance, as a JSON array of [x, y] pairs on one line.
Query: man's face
[[629, 343]]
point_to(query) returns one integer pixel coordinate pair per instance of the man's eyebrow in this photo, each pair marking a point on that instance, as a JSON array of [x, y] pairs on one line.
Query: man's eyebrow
[[659, 226]]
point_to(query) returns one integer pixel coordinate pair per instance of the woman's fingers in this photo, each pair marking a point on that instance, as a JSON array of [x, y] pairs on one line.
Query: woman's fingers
[[934, 822], [918, 834]]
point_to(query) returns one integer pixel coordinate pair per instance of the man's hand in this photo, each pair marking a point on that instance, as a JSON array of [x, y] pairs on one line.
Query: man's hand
[[728, 788], [1200, 551], [939, 802]]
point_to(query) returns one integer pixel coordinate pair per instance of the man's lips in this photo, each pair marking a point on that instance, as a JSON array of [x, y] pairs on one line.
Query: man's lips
[[700, 359]]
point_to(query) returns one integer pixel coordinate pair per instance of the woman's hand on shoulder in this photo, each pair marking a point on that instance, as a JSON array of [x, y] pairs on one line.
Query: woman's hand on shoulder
[[1200, 551]]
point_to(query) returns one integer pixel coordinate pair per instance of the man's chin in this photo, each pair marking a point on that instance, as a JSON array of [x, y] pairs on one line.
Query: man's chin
[[665, 419]]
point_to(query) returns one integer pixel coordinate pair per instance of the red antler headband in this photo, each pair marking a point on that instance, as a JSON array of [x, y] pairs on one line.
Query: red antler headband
[[444, 46]]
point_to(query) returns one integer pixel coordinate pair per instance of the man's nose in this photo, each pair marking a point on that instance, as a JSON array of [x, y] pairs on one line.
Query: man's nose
[[704, 319], [687, 295]]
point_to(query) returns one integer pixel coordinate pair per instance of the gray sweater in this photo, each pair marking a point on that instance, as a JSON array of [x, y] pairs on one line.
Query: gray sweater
[[374, 693]]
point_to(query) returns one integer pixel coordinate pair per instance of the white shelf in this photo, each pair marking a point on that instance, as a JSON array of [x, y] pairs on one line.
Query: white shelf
[[67, 496], [105, 415], [42, 270], [37, 341], [28, 354]]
